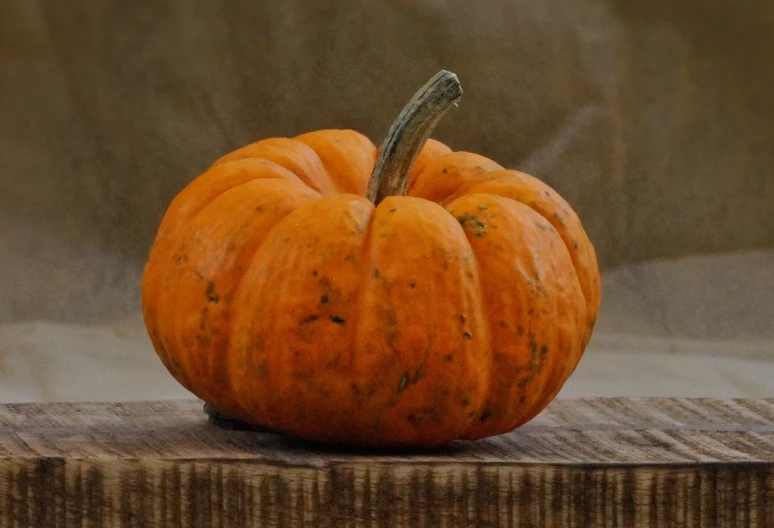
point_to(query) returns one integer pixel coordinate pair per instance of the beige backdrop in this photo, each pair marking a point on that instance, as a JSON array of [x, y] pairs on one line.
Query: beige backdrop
[[655, 119]]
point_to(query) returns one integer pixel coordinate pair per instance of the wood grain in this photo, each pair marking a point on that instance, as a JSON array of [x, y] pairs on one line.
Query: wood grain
[[581, 463]]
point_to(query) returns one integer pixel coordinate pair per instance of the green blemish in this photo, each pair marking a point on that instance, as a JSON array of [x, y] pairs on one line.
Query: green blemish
[[467, 335], [474, 223], [210, 293], [471, 219], [309, 319], [404, 380], [413, 419]]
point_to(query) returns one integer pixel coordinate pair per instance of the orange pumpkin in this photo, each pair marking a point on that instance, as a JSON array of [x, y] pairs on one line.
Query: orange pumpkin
[[409, 295]]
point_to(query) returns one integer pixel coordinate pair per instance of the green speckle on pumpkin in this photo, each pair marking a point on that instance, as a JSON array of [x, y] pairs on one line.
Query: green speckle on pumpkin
[[309, 319], [404, 380]]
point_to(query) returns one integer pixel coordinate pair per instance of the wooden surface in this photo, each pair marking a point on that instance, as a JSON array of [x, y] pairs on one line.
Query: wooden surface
[[582, 463]]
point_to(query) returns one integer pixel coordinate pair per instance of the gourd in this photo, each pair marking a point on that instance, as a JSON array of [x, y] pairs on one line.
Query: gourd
[[402, 296]]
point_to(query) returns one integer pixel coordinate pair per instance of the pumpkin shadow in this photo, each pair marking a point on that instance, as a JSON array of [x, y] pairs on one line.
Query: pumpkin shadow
[[293, 443]]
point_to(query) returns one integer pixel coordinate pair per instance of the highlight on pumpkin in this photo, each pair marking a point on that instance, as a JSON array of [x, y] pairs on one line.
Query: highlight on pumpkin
[[407, 295]]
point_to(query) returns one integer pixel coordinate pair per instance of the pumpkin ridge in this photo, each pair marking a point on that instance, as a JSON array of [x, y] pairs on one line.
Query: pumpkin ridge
[[576, 265], [468, 169], [487, 385], [291, 154], [581, 250], [263, 300], [347, 155], [175, 219], [258, 187], [533, 355]]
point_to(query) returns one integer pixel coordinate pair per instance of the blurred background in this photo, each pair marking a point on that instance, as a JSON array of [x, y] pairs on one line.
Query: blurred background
[[653, 118]]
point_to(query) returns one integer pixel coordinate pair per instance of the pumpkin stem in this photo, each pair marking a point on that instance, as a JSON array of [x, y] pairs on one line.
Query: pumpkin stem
[[408, 135]]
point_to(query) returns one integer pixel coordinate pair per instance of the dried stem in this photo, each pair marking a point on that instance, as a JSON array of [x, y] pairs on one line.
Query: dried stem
[[408, 134]]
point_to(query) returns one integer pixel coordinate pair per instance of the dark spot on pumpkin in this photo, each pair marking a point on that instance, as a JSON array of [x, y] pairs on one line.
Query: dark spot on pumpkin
[[523, 398], [376, 273], [467, 335], [547, 193], [473, 223], [541, 226], [444, 170], [575, 245], [210, 293], [551, 228], [520, 330], [449, 357], [203, 320], [413, 419], [482, 207], [478, 167], [393, 210], [262, 368], [502, 324], [485, 415], [471, 220], [462, 318], [465, 401], [532, 344], [413, 285], [337, 319], [314, 273], [309, 319], [324, 298], [258, 208], [530, 311], [404, 381]]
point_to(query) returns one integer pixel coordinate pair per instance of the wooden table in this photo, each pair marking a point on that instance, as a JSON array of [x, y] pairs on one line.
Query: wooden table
[[582, 463]]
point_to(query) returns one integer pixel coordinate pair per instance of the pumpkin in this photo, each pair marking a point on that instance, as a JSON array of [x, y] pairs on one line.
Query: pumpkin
[[402, 296]]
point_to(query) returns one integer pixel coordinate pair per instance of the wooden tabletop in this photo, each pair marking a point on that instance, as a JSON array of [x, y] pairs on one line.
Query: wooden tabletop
[[581, 463]]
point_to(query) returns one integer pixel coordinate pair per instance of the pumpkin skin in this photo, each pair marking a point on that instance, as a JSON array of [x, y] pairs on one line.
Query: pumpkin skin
[[277, 293]]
